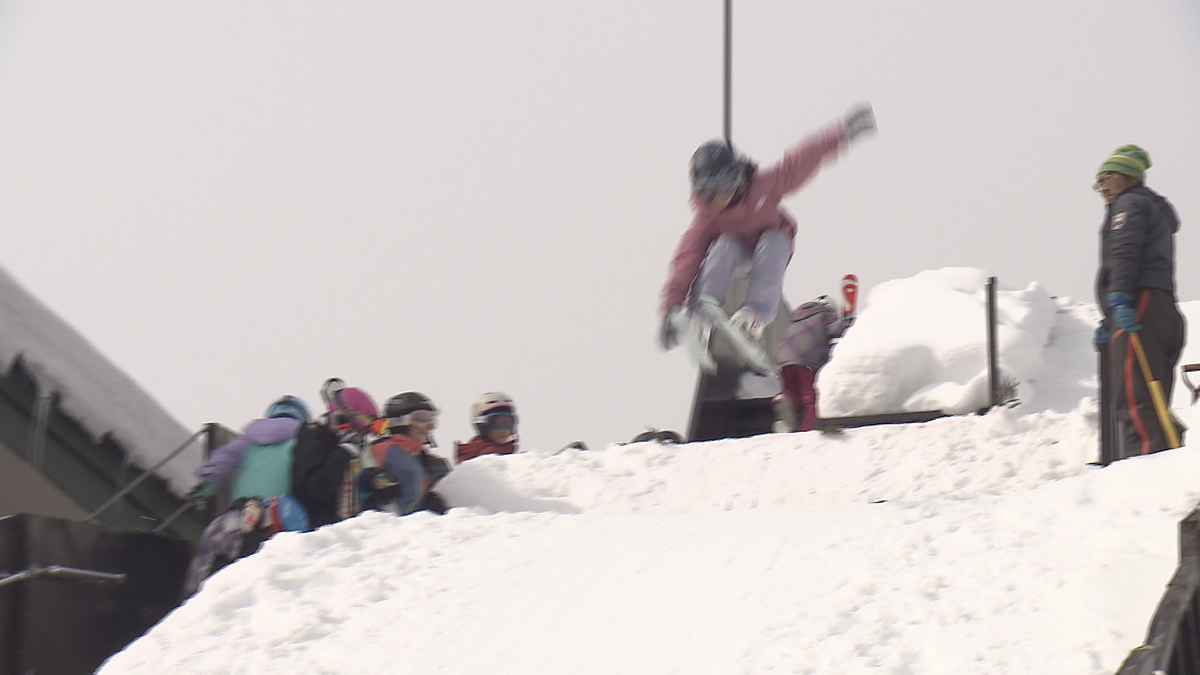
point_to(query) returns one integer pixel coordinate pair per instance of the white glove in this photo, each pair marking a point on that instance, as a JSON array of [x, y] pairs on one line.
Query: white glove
[[668, 338], [860, 120]]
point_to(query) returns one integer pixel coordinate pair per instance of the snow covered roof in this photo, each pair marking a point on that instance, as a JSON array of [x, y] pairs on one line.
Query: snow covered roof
[[89, 387]]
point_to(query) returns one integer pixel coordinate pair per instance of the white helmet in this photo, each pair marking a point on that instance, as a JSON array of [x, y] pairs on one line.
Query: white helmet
[[490, 403]]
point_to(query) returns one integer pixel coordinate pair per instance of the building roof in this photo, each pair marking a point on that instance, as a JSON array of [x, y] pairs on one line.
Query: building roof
[[88, 387]]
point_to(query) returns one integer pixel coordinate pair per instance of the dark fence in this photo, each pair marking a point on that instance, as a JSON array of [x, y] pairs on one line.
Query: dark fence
[[1172, 644], [72, 594]]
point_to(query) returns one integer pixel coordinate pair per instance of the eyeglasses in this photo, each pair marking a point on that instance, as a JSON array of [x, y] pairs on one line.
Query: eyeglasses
[[499, 421]]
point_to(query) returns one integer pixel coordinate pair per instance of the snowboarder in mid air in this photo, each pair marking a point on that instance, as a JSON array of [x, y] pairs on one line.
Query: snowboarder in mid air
[[738, 219]]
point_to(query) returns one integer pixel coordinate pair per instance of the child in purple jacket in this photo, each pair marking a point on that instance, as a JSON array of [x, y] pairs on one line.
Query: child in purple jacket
[[738, 218]]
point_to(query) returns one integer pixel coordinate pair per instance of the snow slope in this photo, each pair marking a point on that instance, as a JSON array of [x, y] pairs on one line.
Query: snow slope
[[972, 544]]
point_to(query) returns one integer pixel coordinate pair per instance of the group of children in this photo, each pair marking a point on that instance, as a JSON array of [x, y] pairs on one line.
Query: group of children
[[289, 471]]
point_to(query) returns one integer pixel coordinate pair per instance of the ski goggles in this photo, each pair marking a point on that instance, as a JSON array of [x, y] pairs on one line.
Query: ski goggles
[[720, 191], [423, 417], [352, 419], [498, 420], [723, 185]]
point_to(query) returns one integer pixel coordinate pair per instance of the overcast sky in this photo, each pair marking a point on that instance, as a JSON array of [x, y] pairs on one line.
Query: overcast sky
[[236, 200]]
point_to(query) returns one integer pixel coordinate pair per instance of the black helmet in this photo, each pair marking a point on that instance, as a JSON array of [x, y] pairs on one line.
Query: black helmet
[[715, 164], [398, 407], [402, 404]]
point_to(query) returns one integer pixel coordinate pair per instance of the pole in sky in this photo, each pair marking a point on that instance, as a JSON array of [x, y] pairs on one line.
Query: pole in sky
[[728, 69]]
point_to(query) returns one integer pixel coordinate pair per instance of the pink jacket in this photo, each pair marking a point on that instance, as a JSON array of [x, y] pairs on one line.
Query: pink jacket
[[756, 213]]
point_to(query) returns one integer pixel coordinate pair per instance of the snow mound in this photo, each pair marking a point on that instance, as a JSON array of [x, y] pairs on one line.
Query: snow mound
[[921, 344], [976, 544]]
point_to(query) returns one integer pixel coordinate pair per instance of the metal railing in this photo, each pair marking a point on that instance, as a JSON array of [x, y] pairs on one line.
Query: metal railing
[[60, 572], [1172, 644], [129, 487], [213, 435]]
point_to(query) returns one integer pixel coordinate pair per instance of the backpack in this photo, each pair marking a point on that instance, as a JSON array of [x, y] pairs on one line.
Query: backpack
[[323, 475]]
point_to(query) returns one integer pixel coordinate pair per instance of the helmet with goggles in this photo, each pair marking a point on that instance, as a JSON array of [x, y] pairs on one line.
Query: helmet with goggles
[[408, 408], [716, 169], [351, 406], [494, 410]]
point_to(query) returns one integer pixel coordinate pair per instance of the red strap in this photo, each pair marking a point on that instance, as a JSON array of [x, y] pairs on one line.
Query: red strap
[[276, 522]]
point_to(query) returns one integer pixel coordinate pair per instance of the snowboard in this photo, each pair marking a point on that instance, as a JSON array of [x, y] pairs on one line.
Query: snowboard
[[755, 357], [681, 322]]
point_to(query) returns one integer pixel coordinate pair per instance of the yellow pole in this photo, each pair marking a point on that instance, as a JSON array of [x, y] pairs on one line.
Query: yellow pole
[[1160, 405]]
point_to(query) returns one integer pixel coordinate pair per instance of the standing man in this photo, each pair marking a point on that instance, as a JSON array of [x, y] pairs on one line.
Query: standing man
[[1135, 289]]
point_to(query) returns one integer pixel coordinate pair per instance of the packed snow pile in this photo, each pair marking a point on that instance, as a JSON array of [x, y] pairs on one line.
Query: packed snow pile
[[965, 545], [928, 334], [974, 544]]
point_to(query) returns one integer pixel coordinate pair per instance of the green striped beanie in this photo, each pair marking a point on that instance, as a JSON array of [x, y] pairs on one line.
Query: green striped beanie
[[1129, 160]]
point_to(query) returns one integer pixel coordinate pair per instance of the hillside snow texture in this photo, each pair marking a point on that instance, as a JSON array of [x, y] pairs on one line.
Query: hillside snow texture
[[970, 544]]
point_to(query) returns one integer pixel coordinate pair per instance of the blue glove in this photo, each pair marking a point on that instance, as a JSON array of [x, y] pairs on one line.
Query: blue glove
[[1120, 306], [1100, 337]]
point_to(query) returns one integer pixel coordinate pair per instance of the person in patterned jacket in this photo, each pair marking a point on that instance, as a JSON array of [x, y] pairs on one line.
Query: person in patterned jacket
[[804, 349]]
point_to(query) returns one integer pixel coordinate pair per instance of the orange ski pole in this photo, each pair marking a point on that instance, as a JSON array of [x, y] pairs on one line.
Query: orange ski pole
[[1156, 394]]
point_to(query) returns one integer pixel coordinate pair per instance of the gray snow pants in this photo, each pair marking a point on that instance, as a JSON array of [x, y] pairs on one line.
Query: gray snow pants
[[768, 261]]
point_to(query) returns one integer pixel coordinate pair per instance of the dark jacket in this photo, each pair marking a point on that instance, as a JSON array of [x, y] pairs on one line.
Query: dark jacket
[[1137, 245], [319, 472]]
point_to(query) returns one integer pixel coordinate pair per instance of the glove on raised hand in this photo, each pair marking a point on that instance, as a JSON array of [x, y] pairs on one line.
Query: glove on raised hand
[[860, 120], [1120, 307]]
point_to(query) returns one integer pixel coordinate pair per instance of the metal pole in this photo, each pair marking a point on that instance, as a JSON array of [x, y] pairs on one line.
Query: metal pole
[[993, 368], [728, 71], [41, 416], [1108, 447], [58, 571], [172, 518], [82, 575]]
